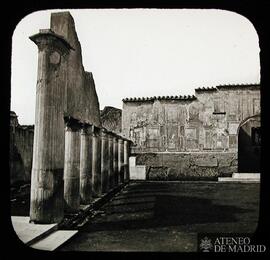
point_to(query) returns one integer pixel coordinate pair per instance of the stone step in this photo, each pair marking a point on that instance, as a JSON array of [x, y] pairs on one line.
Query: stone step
[[242, 180], [30, 233], [246, 175], [54, 240], [137, 172]]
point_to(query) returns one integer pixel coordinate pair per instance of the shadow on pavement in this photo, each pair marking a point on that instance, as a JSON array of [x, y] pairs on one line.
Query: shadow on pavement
[[168, 210]]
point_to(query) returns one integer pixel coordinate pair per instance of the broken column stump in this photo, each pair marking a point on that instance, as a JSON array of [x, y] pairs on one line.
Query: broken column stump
[[72, 166], [110, 159], [104, 161], [115, 160], [86, 165], [126, 160], [121, 159], [96, 163]]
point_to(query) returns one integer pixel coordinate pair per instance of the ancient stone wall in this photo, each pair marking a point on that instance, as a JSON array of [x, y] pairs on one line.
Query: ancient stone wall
[[111, 119], [81, 101], [206, 122], [187, 166], [173, 136], [21, 151]]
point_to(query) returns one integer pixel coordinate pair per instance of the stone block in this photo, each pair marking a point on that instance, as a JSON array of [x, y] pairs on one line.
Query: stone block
[[206, 161], [227, 170], [132, 161], [224, 162], [138, 172]]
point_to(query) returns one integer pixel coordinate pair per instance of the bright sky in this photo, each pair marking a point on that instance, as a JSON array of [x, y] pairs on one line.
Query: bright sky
[[143, 52]]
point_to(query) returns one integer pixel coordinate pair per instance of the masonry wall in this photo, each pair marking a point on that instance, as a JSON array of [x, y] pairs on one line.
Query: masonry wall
[[207, 123], [21, 153], [187, 166], [111, 119], [175, 134], [81, 100]]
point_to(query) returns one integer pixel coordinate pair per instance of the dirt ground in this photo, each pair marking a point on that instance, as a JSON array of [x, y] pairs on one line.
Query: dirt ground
[[167, 216]]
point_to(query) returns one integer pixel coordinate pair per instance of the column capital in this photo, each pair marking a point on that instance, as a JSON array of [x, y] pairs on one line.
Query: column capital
[[120, 140], [103, 133], [49, 39], [110, 136], [96, 131], [72, 124], [86, 129]]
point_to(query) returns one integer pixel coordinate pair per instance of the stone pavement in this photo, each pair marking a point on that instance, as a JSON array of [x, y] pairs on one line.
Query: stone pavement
[[242, 177], [29, 233], [167, 216], [40, 236]]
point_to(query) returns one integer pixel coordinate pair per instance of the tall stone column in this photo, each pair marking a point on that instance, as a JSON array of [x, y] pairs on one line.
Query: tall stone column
[[46, 203], [121, 159], [115, 160], [126, 160], [86, 165], [104, 161], [110, 157], [72, 166], [96, 163]]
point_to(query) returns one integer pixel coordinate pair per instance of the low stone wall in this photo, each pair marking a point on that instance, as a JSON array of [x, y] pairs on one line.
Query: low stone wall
[[187, 166], [21, 153]]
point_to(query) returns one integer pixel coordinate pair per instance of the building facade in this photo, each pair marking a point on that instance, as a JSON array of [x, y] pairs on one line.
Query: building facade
[[191, 126]]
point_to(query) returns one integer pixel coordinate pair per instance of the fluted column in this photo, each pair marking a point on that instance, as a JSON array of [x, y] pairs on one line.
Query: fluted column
[[86, 165], [96, 163], [115, 160], [104, 161], [72, 166], [126, 160], [46, 203], [121, 160], [110, 159]]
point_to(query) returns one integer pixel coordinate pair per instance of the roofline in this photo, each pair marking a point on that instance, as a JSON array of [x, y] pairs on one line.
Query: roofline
[[143, 99], [189, 97]]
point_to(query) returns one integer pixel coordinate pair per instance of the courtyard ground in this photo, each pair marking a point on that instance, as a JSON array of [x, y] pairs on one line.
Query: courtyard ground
[[167, 216]]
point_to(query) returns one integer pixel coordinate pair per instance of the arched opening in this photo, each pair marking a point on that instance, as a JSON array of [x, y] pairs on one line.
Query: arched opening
[[249, 145]]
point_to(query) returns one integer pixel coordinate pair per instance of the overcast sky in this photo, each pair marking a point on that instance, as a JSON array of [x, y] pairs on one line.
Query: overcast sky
[[143, 52]]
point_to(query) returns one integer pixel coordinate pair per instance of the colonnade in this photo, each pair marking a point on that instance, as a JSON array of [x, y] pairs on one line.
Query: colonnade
[[96, 161], [73, 161]]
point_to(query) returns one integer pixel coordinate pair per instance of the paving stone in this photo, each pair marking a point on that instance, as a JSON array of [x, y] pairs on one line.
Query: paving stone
[[27, 232], [54, 240]]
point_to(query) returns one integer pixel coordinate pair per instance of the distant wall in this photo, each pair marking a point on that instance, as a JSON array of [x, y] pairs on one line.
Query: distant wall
[[111, 119], [207, 121], [190, 137], [187, 166], [21, 151]]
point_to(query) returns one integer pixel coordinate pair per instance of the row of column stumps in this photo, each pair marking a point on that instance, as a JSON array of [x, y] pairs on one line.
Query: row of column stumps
[[96, 161]]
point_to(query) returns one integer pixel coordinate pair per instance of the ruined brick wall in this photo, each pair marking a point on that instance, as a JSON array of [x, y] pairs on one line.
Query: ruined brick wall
[[111, 119], [207, 122], [81, 100], [21, 152]]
